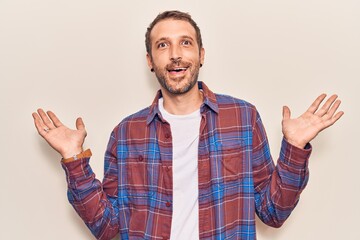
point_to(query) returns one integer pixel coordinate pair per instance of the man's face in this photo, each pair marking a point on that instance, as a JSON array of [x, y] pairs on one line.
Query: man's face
[[175, 55]]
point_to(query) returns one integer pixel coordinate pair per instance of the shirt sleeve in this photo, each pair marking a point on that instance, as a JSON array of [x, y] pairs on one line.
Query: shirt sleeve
[[95, 202], [277, 188]]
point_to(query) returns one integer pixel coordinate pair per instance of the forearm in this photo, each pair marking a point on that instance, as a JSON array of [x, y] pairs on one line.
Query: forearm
[[88, 198], [278, 195]]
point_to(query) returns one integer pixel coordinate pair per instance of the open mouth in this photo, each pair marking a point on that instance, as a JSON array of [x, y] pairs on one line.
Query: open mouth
[[177, 70]]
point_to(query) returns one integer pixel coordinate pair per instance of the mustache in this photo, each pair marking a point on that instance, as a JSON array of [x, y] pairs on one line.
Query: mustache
[[178, 64]]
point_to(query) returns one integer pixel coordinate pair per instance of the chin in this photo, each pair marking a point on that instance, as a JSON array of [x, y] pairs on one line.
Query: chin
[[180, 86]]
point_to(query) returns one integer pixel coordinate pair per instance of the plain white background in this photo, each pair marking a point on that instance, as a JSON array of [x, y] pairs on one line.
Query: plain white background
[[87, 58]]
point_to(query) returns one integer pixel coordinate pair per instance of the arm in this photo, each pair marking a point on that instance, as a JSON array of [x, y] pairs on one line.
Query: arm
[[95, 203], [277, 189]]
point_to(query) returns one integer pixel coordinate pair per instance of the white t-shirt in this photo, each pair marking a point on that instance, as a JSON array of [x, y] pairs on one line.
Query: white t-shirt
[[185, 133]]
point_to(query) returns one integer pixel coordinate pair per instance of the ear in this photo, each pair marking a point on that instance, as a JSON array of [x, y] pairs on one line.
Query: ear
[[202, 55], [149, 61]]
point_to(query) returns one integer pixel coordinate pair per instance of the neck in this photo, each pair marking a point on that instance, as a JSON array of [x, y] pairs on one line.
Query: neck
[[182, 104]]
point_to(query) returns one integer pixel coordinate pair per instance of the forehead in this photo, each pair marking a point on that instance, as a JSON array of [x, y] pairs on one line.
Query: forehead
[[172, 28]]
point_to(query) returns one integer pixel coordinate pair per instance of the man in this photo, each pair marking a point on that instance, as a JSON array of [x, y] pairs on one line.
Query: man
[[193, 165]]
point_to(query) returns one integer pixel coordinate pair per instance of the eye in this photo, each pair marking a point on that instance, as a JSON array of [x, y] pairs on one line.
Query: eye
[[162, 45], [186, 42]]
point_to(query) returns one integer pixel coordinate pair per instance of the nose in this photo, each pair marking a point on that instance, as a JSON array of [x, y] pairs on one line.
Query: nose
[[175, 53]]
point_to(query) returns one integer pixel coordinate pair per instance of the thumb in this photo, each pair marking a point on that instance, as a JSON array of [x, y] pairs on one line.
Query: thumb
[[80, 124], [286, 113]]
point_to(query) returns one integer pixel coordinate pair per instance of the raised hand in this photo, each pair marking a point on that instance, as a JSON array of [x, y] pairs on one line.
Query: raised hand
[[64, 140], [299, 131]]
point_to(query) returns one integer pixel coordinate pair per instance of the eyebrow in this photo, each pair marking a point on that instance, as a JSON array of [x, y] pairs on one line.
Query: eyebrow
[[168, 39], [161, 39]]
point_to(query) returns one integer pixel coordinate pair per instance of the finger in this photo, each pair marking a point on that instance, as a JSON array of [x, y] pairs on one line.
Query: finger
[[40, 126], [325, 108], [80, 124], [338, 116], [45, 119], [315, 105], [332, 120], [333, 109], [286, 113], [54, 119]]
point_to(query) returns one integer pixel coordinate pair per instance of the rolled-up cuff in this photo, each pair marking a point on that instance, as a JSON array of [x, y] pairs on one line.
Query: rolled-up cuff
[[294, 156]]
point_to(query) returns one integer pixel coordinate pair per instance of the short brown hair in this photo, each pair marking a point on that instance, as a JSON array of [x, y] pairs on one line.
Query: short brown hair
[[177, 15]]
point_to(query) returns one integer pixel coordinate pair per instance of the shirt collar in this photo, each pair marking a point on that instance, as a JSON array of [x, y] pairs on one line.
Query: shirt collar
[[209, 101]]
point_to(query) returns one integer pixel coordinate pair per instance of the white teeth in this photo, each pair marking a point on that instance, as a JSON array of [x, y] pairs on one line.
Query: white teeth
[[178, 69]]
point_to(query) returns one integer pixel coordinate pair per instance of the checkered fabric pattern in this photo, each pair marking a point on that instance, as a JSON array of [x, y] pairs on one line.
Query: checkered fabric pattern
[[237, 176]]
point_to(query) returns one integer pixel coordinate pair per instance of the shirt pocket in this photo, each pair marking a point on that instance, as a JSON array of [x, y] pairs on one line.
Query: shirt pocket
[[140, 177], [232, 161]]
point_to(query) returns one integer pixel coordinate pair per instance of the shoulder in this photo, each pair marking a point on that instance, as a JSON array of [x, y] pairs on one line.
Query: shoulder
[[236, 111], [137, 119], [226, 101], [138, 116]]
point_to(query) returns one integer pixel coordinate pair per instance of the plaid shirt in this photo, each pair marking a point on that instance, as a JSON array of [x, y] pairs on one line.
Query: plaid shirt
[[237, 177]]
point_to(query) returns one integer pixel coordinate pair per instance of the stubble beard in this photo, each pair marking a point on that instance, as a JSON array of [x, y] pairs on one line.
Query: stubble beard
[[165, 81]]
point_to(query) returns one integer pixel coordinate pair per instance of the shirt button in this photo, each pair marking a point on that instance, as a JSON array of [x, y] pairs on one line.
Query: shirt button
[[167, 135], [141, 158], [168, 204], [168, 169]]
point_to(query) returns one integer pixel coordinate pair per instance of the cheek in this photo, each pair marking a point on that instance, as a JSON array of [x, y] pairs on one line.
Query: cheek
[[193, 56], [160, 62], [160, 55]]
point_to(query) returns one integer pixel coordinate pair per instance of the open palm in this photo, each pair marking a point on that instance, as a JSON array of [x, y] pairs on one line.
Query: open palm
[[64, 140], [299, 131]]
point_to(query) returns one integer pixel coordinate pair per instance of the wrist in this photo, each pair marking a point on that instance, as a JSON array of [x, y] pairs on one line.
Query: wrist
[[84, 154], [71, 153], [297, 144]]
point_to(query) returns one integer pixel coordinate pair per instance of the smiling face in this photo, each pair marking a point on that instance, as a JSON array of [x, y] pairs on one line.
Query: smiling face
[[175, 55]]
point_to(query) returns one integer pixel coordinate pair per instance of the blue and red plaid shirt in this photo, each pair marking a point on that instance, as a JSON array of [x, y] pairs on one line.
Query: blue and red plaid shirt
[[237, 176]]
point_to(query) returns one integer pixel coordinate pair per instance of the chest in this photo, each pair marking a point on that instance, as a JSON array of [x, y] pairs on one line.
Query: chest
[[146, 164]]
